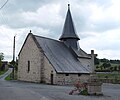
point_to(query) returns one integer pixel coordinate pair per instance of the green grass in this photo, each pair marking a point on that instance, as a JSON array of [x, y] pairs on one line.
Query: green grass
[[2, 72], [110, 75], [8, 78]]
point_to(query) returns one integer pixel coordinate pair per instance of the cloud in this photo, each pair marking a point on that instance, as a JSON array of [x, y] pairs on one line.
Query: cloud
[[6, 40], [106, 44], [96, 22], [49, 18], [104, 19], [14, 6], [108, 54]]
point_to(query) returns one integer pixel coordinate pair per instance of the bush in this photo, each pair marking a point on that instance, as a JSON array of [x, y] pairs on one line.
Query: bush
[[80, 89], [9, 77], [84, 92]]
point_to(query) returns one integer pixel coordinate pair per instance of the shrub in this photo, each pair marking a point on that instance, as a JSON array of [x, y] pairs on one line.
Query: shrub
[[84, 92]]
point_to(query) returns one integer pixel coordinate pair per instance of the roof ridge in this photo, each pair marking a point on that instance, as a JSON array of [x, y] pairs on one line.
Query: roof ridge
[[47, 38]]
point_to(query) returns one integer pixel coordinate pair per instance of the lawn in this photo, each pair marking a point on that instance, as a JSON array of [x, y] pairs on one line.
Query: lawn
[[108, 75], [2, 72]]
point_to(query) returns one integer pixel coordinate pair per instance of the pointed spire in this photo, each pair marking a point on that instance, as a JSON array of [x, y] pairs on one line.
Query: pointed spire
[[69, 29]]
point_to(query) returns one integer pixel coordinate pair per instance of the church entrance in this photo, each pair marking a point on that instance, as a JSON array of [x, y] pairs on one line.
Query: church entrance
[[51, 77]]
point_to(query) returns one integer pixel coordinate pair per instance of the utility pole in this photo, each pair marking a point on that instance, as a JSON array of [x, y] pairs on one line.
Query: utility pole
[[14, 49], [4, 4], [13, 55]]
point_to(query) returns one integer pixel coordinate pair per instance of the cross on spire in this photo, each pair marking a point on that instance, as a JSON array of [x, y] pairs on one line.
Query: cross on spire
[[68, 6]]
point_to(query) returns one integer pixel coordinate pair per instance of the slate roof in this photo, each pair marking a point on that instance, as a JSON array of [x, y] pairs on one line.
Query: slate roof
[[81, 54], [69, 29], [60, 56]]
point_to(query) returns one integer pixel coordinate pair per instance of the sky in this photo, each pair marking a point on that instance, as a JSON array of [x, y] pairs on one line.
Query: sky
[[97, 23]]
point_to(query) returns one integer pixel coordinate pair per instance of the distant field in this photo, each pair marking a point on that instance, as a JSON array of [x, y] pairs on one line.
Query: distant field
[[114, 64], [108, 75]]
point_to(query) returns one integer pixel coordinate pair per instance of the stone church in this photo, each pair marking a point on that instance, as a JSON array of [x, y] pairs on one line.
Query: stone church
[[62, 62]]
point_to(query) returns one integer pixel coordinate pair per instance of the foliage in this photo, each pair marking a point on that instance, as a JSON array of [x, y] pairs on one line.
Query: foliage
[[1, 58], [96, 61], [119, 67], [80, 88], [104, 60], [9, 77], [115, 68], [2, 72], [14, 64], [115, 61], [84, 92], [106, 65], [111, 69]]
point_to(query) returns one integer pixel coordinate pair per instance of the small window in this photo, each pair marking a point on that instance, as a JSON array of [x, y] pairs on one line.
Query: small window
[[67, 74], [28, 66], [79, 74]]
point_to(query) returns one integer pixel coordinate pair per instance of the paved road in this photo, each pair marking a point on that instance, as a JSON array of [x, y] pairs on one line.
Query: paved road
[[2, 77], [15, 90]]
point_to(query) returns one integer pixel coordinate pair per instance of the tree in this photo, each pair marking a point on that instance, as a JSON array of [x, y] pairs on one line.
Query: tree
[[106, 65], [119, 67], [96, 61], [104, 60], [111, 69], [101, 67], [115, 61], [14, 64], [115, 68], [1, 58]]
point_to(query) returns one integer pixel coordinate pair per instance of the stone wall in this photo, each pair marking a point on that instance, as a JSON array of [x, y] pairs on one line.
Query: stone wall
[[31, 53], [110, 80], [48, 70], [70, 79]]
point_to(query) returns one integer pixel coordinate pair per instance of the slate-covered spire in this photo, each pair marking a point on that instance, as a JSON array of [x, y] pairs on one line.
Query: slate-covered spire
[[69, 29], [69, 36]]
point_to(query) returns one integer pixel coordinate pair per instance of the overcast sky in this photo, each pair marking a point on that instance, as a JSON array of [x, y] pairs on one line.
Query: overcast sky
[[97, 23]]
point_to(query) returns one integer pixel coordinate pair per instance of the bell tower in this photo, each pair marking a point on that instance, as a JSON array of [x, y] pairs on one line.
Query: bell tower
[[69, 36]]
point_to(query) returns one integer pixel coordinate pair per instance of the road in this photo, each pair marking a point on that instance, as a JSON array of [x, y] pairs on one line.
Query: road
[[2, 77], [15, 90]]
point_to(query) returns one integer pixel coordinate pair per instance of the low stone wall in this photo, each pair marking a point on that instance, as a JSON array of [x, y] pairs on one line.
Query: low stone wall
[[71, 79], [105, 80]]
